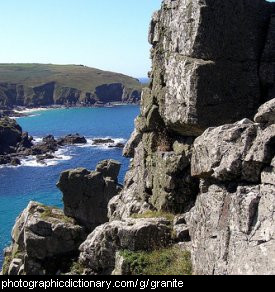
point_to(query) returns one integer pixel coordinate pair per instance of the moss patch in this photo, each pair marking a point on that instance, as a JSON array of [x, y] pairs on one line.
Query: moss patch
[[53, 213], [167, 261], [6, 265], [155, 214], [77, 269]]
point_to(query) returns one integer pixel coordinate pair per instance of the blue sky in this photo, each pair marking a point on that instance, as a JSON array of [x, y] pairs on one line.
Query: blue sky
[[106, 34]]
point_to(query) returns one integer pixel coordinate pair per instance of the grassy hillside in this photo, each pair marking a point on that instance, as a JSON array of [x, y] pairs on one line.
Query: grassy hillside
[[75, 76], [46, 84]]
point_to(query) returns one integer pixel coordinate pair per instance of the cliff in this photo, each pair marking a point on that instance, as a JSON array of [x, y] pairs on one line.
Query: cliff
[[201, 180], [43, 85]]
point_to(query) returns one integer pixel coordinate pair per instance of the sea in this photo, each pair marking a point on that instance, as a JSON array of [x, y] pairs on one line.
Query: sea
[[37, 182]]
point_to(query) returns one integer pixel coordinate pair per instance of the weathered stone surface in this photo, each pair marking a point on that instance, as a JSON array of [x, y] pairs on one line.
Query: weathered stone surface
[[121, 266], [87, 193], [42, 233], [173, 187], [72, 139], [10, 135], [233, 152], [109, 168], [266, 113], [15, 266], [233, 233], [129, 149], [98, 252], [196, 42], [181, 233]]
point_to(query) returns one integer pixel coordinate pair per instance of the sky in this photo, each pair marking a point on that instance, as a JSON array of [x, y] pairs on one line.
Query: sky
[[106, 34]]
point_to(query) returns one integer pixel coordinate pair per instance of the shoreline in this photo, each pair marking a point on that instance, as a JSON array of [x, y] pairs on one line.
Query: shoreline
[[26, 111]]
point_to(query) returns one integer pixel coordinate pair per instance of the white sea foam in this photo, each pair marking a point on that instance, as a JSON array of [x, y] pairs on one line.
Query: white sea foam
[[31, 161], [33, 110], [37, 140], [104, 146]]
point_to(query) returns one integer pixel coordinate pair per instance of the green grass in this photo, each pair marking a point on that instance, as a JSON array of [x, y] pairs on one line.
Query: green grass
[[6, 265], [77, 269], [73, 76], [155, 214], [49, 214], [167, 261]]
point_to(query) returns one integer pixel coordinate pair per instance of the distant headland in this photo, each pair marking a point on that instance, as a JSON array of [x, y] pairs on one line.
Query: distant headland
[[42, 85]]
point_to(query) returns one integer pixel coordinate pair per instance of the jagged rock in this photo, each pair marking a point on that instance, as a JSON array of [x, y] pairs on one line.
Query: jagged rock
[[232, 232], [10, 135], [233, 152], [188, 56], [109, 168], [129, 149], [98, 252], [42, 158], [181, 233], [172, 183], [102, 141], [121, 266], [268, 174], [87, 193], [266, 113], [72, 139], [15, 267], [42, 238]]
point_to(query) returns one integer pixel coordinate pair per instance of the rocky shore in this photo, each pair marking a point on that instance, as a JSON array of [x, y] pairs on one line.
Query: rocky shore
[[200, 191], [16, 145]]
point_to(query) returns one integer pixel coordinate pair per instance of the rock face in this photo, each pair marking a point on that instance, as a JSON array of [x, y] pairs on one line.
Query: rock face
[[43, 238], [196, 42], [233, 214], [10, 135], [98, 252], [203, 77], [87, 193]]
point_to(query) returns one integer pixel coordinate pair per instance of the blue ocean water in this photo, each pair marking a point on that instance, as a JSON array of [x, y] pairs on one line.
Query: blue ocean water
[[19, 185]]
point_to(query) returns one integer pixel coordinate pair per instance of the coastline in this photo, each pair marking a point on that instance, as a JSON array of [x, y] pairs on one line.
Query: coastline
[[24, 111]]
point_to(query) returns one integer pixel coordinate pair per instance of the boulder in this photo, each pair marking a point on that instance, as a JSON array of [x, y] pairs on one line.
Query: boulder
[[233, 152], [71, 139], [87, 193], [42, 238], [10, 135], [109, 168], [266, 113], [103, 141], [98, 252]]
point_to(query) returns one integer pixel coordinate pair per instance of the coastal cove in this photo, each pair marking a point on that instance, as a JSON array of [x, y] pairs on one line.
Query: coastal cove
[[33, 181]]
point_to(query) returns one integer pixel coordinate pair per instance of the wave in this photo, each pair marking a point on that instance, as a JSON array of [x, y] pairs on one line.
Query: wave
[[37, 140], [59, 156], [64, 153], [33, 110], [31, 161]]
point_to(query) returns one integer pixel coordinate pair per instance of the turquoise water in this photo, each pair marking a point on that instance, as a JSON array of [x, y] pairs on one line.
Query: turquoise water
[[19, 185]]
